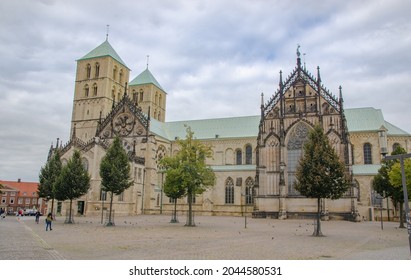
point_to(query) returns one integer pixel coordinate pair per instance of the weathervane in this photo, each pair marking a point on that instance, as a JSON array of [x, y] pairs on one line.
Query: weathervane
[[147, 60], [108, 26]]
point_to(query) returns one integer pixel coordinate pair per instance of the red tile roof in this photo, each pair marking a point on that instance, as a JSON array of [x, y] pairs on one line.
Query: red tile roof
[[23, 187]]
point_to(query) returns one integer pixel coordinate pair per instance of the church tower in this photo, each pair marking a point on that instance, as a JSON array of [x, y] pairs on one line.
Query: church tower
[[101, 79], [149, 95]]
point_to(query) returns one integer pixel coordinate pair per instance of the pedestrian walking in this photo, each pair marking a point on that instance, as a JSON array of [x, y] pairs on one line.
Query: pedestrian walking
[[49, 219], [37, 217]]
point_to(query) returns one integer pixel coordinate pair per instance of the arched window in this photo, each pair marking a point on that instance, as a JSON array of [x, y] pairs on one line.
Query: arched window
[[114, 73], [134, 95], [86, 90], [97, 68], [141, 95], [367, 153], [88, 71], [238, 157], [156, 99], [395, 146], [84, 161], [248, 154], [249, 185], [121, 76], [298, 137], [95, 90], [229, 191], [113, 94], [160, 101]]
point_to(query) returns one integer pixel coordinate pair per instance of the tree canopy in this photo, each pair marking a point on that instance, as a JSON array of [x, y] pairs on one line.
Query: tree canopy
[[48, 176], [73, 182], [320, 173], [115, 172], [187, 172]]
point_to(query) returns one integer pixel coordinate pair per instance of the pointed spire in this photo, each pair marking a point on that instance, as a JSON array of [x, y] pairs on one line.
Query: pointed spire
[[281, 79], [341, 98], [57, 145], [298, 56], [318, 75], [262, 100]]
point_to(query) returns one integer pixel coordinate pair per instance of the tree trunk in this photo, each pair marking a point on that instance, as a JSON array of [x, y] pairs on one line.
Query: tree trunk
[[174, 217], [70, 221], [190, 220], [317, 229], [401, 215], [110, 223]]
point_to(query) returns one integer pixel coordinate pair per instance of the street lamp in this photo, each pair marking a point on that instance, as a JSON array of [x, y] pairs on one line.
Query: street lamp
[[401, 157]]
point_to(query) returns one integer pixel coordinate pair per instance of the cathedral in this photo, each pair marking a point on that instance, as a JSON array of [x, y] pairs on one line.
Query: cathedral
[[255, 157]]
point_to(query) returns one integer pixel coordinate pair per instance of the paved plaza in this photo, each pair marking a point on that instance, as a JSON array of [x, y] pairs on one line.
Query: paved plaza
[[153, 237]]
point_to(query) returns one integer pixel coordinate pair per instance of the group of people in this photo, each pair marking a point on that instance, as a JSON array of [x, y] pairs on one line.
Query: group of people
[[49, 218]]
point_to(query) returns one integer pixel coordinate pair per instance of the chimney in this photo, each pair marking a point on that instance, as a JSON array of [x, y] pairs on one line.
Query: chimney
[[18, 180]]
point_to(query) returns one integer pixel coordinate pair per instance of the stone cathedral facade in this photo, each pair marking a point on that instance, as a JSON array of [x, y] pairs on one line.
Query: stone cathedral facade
[[255, 157]]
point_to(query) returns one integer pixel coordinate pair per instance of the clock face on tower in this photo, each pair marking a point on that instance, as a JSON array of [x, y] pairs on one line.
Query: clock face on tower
[[123, 124]]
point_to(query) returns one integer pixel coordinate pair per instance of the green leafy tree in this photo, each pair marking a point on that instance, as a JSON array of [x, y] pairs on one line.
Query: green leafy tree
[[382, 184], [189, 170], [395, 175], [320, 173], [173, 186], [115, 172], [48, 178], [73, 182]]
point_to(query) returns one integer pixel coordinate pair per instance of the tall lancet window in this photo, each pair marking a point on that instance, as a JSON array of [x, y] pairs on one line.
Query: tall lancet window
[[298, 137]]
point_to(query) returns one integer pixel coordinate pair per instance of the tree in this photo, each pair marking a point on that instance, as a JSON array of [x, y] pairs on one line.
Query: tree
[[115, 172], [382, 184], [395, 175], [190, 171], [173, 187], [320, 173], [73, 182], [48, 177]]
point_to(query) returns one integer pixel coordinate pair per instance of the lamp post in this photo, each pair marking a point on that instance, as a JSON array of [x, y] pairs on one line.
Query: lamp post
[[401, 157]]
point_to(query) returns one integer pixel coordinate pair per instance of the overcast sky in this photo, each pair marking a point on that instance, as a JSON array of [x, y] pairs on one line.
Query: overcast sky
[[214, 58]]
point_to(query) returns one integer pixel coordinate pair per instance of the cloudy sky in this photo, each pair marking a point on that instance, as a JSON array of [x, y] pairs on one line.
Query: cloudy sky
[[214, 58]]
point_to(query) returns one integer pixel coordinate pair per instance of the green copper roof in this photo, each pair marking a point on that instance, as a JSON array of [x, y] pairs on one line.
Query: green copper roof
[[358, 120], [145, 77], [105, 49], [370, 119]]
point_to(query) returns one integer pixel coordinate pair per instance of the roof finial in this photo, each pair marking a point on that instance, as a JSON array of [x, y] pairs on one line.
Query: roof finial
[[304, 61], [148, 56], [108, 27], [298, 51]]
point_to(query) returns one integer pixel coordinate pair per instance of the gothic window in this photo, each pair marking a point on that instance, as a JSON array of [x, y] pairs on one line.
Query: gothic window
[[88, 71], [395, 146], [229, 191], [114, 73], [141, 95], [103, 195], [97, 68], [86, 90], [121, 196], [160, 100], [156, 99], [248, 154], [120, 78], [193, 200], [298, 136], [95, 90], [134, 95], [238, 157], [84, 161], [249, 184], [367, 153]]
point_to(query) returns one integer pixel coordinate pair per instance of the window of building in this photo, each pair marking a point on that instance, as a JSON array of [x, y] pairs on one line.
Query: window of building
[[229, 191], [95, 90], [141, 95], [84, 161], [97, 68], [114, 73], [134, 95], [395, 146], [238, 157], [121, 196], [88, 71], [193, 200], [27, 202], [3, 200], [120, 78], [249, 185], [86, 90], [11, 200], [20, 201], [248, 154], [367, 153], [34, 201], [171, 200], [103, 195]]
